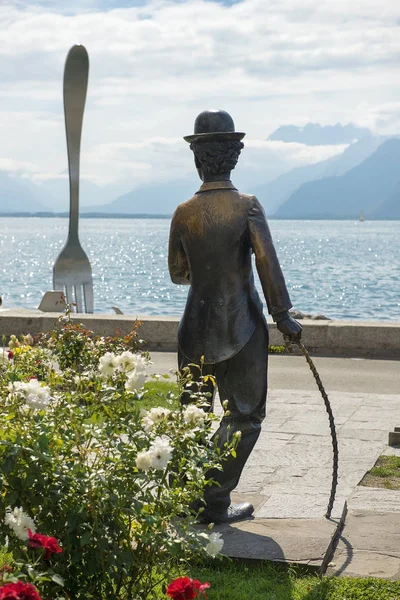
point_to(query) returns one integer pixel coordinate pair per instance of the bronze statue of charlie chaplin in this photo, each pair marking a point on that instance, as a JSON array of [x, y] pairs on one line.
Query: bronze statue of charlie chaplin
[[212, 238]]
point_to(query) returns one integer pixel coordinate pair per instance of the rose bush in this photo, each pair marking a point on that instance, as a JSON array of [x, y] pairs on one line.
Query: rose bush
[[108, 482]]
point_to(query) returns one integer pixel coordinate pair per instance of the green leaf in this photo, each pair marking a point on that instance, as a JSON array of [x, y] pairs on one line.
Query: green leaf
[[57, 579], [86, 539]]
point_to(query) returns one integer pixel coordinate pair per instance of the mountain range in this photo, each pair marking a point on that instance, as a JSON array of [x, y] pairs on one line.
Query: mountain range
[[371, 187], [20, 195], [314, 134], [275, 193], [363, 177]]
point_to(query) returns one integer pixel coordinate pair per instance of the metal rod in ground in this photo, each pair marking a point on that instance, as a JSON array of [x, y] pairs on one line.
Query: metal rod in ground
[[328, 407]]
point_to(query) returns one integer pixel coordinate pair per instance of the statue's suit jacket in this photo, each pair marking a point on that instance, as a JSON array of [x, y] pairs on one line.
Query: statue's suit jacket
[[211, 241]]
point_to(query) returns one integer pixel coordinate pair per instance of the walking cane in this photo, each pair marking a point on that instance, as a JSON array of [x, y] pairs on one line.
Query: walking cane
[[332, 427]]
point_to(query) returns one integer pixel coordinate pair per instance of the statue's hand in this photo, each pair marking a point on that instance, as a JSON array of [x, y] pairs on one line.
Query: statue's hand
[[290, 328]]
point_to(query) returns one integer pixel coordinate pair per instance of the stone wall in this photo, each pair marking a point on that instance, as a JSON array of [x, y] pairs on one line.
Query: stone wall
[[364, 339]]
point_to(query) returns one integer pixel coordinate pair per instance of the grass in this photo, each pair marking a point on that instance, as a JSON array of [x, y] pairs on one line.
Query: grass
[[385, 473], [236, 581], [265, 581], [160, 393]]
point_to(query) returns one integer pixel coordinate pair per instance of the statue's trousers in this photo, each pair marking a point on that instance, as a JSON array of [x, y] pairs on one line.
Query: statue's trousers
[[242, 380]]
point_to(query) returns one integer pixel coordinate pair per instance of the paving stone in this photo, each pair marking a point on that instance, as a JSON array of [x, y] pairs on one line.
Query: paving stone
[[287, 397], [347, 431], [281, 412], [307, 454], [273, 424], [291, 540], [271, 443], [348, 562], [391, 401], [375, 499], [299, 506], [253, 479], [354, 449], [323, 443], [311, 427], [284, 474], [369, 545]]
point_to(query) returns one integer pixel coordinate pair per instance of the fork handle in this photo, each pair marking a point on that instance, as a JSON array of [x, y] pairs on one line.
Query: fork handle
[[76, 72]]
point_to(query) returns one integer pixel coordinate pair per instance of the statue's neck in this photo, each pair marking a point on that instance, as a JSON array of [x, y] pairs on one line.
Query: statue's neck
[[224, 177]]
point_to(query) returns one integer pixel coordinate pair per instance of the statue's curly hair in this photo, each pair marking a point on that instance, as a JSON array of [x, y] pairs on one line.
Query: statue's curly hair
[[217, 158]]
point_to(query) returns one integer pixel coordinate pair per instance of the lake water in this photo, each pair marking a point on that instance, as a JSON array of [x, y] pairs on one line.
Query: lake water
[[342, 269]]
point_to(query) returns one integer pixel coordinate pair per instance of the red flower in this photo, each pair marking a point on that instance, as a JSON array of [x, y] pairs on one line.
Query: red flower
[[19, 591], [184, 588], [50, 544], [10, 355]]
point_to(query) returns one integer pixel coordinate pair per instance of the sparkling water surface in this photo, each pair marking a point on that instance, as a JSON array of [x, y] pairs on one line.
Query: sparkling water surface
[[342, 269]]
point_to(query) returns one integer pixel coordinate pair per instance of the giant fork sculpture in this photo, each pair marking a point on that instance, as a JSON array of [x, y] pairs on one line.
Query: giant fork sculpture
[[72, 273]]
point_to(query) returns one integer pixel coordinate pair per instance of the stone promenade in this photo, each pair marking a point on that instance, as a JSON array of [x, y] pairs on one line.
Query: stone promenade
[[288, 475]]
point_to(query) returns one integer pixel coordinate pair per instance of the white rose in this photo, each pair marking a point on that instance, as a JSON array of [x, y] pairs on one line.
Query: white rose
[[136, 380], [108, 363], [36, 395], [142, 363], [158, 414], [19, 522], [161, 452], [144, 460], [193, 415], [147, 424], [126, 361], [215, 544]]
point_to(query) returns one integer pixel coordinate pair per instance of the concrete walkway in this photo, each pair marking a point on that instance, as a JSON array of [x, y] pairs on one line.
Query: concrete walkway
[[288, 475]]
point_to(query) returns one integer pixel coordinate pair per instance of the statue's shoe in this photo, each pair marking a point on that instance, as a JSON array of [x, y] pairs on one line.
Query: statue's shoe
[[235, 512]]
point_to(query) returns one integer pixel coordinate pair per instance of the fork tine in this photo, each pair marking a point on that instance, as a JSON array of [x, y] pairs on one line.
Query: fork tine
[[88, 295], [79, 298]]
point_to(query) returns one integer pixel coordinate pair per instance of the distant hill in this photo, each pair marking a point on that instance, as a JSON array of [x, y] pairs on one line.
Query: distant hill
[[390, 208], [366, 187], [20, 195], [164, 197], [276, 192], [159, 198], [314, 134], [90, 194]]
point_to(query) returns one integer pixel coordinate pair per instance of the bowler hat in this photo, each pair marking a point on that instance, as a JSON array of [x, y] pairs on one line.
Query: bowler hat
[[214, 125]]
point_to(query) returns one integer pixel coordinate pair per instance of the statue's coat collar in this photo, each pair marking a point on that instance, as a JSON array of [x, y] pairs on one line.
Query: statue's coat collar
[[216, 185]]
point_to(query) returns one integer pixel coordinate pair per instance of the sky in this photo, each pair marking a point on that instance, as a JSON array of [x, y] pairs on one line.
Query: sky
[[155, 64]]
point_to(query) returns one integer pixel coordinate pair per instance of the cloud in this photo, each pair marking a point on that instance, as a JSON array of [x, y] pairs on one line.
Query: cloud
[[156, 64], [297, 153], [21, 169]]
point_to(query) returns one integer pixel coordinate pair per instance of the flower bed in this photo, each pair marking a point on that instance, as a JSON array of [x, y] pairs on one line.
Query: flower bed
[[96, 491]]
